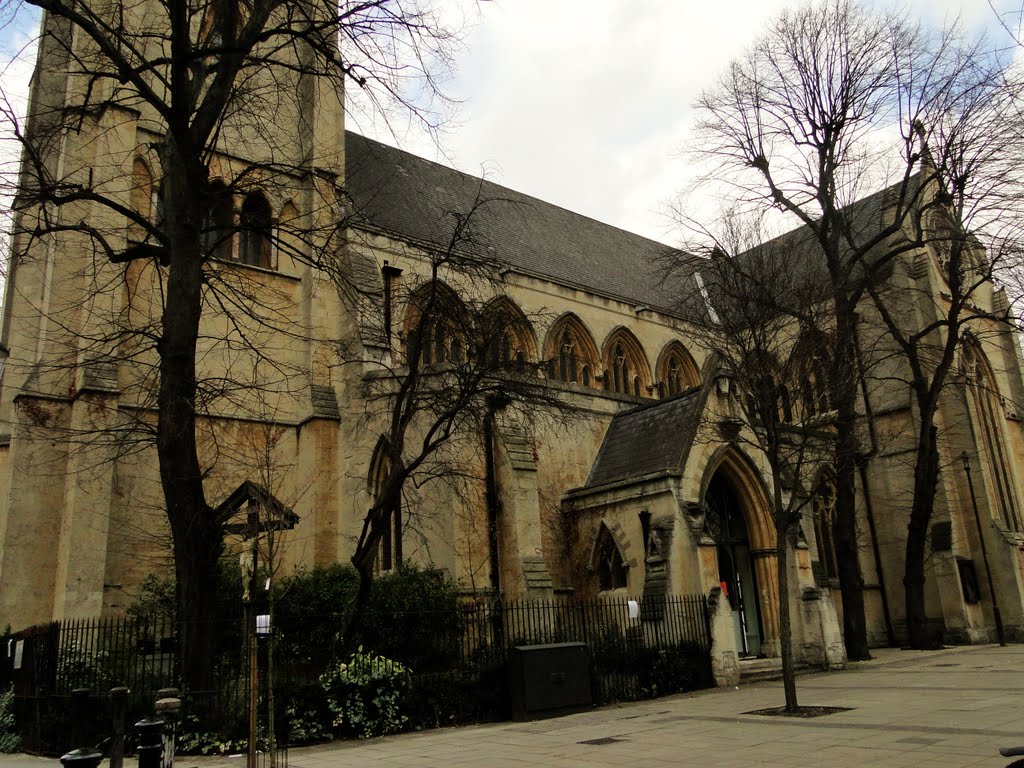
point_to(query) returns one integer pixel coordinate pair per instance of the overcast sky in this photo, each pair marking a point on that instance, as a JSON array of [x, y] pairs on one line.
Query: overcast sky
[[586, 103]]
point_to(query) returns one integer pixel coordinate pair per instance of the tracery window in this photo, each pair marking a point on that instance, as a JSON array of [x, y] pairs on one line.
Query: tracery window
[[436, 325], [389, 550], [768, 395], [626, 369], [570, 352], [824, 512], [986, 410], [608, 562], [506, 336], [814, 399], [676, 371]]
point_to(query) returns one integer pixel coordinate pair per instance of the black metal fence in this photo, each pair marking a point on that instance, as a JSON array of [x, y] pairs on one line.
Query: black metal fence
[[457, 664]]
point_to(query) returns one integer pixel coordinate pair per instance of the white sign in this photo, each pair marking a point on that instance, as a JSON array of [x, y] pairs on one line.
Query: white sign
[[634, 609], [19, 650]]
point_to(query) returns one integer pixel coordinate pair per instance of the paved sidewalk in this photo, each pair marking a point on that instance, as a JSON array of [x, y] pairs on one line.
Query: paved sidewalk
[[945, 708]]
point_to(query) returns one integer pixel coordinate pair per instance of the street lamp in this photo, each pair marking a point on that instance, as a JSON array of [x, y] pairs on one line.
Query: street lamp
[[984, 551]]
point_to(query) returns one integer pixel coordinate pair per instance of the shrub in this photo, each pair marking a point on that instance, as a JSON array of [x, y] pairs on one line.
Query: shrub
[[364, 695], [310, 606], [413, 616], [10, 740]]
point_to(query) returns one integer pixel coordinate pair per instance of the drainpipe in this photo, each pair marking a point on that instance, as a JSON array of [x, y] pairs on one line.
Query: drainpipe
[[862, 466], [494, 404]]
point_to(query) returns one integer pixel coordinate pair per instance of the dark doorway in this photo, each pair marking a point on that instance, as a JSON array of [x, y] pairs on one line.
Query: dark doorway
[[728, 528]]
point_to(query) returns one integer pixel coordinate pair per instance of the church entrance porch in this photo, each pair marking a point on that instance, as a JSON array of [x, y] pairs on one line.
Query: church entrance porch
[[735, 565], [739, 553]]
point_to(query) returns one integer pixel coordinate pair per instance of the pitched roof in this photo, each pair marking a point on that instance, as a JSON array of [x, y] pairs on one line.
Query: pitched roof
[[649, 441], [413, 199]]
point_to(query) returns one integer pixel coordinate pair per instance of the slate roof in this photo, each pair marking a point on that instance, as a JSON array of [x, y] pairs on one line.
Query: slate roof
[[865, 218], [412, 198], [649, 441]]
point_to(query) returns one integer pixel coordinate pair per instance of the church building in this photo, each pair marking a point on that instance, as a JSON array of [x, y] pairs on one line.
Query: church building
[[640, 482]]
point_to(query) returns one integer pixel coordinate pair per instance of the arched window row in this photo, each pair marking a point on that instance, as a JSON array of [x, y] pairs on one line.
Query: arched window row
[[240, 230], [236, 228], [503, 334], [439, 328], [572, 358]]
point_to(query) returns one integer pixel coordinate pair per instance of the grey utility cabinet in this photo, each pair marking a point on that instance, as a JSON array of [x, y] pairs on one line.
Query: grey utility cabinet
[[547, 680]]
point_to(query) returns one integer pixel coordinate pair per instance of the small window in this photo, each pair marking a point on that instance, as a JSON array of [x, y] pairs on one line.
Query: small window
[[567, 360], [256, 226], [611, 570], [968, 580], [389, 551], [824, 519], [220, 224]]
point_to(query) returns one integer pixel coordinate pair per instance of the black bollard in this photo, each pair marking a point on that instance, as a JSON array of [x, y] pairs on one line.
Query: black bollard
[[118, 711], [151, 747], [86, 757], [79, 715], [168, 706]]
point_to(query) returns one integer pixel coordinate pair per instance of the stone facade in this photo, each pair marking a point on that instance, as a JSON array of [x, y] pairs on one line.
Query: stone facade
[[614, 500]]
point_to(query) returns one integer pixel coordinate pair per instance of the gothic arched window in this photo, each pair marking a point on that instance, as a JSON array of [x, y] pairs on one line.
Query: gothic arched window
[[389, 551], [256, 226], [219, 226], [987, 417], [608, 562], [626, 369], [505, 334], [824, 511], [570, 352], [676, 371], [436, 325]]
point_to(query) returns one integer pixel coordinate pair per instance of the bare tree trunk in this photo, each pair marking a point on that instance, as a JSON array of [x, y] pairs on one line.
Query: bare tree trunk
[[786, 546], [196, 534], [846, 449], [926, 477]]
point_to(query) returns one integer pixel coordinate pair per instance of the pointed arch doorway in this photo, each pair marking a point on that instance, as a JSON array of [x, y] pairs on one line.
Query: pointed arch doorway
[[728, 528]]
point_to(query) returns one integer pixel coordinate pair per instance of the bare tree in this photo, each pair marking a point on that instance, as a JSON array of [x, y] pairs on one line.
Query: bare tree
[[765, 320], [833, 102], [200, 81], [967, 230], [463, 358]]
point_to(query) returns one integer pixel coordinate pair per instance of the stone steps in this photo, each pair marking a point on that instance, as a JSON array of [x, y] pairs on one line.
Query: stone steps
[[761, 670]]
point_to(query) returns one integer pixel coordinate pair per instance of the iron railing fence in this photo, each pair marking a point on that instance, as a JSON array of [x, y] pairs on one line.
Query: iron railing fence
[[456, 662]]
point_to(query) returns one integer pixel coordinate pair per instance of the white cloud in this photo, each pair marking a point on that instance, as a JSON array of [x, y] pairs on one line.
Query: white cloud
[[586, 103], [17, 59]]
